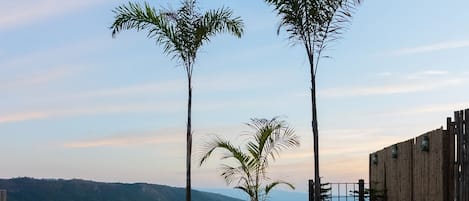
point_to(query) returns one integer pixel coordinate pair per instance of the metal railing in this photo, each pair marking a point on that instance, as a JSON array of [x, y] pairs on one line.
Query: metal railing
[[342, 191]]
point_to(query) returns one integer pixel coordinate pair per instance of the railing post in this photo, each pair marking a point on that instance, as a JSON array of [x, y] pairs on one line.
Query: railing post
[[311, 190], [361, 190], [3, 195]]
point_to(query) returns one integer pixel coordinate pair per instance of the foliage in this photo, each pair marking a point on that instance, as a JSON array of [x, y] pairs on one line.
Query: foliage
[[181, 32], [326, 191], [314, 23], [372, 194], [29, 189], [246, 167]]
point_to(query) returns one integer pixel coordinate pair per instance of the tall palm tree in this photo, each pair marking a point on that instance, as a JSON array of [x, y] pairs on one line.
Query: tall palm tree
[[249, 172], [314, 24], [182, 33]]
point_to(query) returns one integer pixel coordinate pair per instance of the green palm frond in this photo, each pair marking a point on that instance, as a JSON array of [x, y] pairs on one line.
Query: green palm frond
[[268, 139], [314, 23], [181, 32], [272, 185], [158, 25]]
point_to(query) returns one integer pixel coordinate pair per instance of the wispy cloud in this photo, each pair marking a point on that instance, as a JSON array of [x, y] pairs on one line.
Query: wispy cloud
[[431, 108], [14, 13], [37, 78], [23, 116], [133, 139], [432, 47], [166, 86], [396, 88], [95, 110], [426, 74]]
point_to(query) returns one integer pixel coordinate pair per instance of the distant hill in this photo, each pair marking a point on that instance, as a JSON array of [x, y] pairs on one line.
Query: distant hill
[[29, 189]]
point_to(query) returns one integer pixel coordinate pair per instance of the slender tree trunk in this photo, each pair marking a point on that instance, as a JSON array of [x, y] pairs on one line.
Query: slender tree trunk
[[189, 141], [314, 124]]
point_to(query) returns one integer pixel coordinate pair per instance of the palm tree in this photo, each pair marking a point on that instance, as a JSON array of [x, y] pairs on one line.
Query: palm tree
[[314, 24], [182, 33], [248, 166]]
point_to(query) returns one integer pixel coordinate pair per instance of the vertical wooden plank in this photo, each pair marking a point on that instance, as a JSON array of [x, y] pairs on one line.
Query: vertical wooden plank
[[429, 168], [458, 155], [391, 176], [399, 172], [378, 173], [466, 154], [406, 170], [451, 159]]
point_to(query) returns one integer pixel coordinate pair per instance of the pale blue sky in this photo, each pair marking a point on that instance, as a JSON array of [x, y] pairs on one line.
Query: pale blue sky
[[78, 104]]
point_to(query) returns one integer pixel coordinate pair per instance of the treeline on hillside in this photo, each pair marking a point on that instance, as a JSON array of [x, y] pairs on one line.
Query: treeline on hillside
[[29, 189]]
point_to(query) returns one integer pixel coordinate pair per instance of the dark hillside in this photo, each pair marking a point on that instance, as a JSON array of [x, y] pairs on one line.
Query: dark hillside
[[28, 189]]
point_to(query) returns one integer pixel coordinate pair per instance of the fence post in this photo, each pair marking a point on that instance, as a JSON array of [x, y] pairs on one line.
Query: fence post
[[311, 190], [3, 195], [361, 190]]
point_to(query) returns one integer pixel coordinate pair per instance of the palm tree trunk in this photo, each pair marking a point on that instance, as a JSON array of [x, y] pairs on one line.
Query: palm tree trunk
[[189, 141], [314, 123]]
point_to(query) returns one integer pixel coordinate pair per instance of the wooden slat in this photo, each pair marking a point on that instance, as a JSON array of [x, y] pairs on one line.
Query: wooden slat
[[457, 121], [430, 168], [451, 173], [399, 172], [378, 172], [466, 155], [442, 174]]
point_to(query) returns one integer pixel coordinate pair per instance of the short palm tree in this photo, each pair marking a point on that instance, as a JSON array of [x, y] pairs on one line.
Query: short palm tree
[[182, 33], [314, 24], [247, 166]]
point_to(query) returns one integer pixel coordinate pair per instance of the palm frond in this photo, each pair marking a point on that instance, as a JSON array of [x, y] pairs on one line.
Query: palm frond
[[224, 145], [246, 189], [272, 185], [136, 16], [314, 23], [181, 32], [268, 138]]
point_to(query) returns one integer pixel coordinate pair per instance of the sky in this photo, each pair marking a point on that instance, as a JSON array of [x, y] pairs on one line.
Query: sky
[[76, 103]]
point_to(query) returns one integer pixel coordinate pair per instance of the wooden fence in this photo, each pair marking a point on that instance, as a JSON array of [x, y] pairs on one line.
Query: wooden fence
[[460, 129], [431, 167]]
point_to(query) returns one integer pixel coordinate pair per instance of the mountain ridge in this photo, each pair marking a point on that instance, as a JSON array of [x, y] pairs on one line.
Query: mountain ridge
[[31, 189]]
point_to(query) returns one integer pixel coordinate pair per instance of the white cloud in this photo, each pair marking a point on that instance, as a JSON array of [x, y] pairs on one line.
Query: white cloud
[[21, 12], [435, 72], [133, 139], [432, 47], [23, 116], [427, 74], [431, 108], [94, 110], [38, 78], [384, 74], [396, 88], [166, 86]]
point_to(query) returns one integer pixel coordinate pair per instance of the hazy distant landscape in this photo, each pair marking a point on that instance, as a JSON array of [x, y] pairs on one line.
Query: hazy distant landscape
[[29, 189]]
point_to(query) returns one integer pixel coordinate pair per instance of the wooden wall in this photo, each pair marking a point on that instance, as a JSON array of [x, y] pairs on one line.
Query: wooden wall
[[415, 175]]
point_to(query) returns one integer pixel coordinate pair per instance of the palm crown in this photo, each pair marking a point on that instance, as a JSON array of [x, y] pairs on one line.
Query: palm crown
[[249, 170], [314, 23], [180, 32]]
